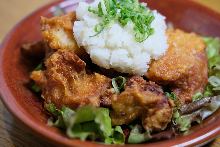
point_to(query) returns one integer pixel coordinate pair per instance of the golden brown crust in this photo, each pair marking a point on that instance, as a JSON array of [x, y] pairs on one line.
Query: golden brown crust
[[183, 67], [142, 99], [195, 81], [58, 32], [38, 77], [67, 82]]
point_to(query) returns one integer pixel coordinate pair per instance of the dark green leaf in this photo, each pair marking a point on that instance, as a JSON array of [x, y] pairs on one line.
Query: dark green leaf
[[83, 131], [117, 136], [35, 88], [118, 84], [39, 67]]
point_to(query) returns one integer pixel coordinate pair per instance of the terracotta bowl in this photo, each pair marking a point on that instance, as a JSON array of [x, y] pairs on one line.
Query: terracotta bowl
[[25, 106]]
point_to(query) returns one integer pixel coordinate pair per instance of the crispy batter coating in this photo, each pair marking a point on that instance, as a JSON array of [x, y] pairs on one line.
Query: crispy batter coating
[[194, 82], [65, 81], [144, 100], [39, 78], [58, 32], [183, 67]]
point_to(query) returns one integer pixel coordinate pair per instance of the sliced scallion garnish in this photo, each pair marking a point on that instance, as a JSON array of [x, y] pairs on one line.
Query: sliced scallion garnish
[[124, 11]]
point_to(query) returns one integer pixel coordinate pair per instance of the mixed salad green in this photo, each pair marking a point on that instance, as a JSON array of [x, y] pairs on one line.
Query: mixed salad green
[[86, 123]]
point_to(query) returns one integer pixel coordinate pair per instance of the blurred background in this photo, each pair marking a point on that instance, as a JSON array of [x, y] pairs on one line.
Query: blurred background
[[12, 133], [11, 11]]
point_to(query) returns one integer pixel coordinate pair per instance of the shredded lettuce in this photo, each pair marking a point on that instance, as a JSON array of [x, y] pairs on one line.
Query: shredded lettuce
[[87, 122]]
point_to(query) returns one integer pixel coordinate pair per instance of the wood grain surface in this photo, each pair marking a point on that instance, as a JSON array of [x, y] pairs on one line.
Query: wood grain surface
[[12, 132]]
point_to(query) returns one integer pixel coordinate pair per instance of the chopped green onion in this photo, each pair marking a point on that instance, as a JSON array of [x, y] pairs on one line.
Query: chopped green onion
[[124, 11], [118, 84]]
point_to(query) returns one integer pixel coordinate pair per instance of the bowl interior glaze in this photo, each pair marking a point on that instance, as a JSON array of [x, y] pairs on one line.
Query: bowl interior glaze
[[25, 106]]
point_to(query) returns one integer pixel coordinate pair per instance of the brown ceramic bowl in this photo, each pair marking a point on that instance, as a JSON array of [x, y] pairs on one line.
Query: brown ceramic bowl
[[25, 106]]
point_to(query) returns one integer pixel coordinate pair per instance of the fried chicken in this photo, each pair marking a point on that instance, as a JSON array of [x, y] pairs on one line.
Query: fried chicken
[[66, 83], [58, 32], [142, 99], [39, 78], [183, 67]]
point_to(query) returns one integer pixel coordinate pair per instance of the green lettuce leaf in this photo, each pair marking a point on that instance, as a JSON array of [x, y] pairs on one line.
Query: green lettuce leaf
[[183, 123], [213, 46], [117, 137], [87, 122], [52, 109], [35, 88], [197, 96], [136, 135], [57, 114]]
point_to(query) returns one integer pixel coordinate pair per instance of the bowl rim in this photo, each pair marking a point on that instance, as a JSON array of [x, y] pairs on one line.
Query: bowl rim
[[13, 107]]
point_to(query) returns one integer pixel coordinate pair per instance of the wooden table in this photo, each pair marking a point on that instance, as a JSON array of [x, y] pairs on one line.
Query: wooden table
[[12, 133]]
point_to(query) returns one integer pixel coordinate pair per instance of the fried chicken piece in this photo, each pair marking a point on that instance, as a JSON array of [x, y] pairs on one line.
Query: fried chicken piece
[[58, 32], [144, 100], [183, 67], [194, 82], [106, 98], [65, 81]]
